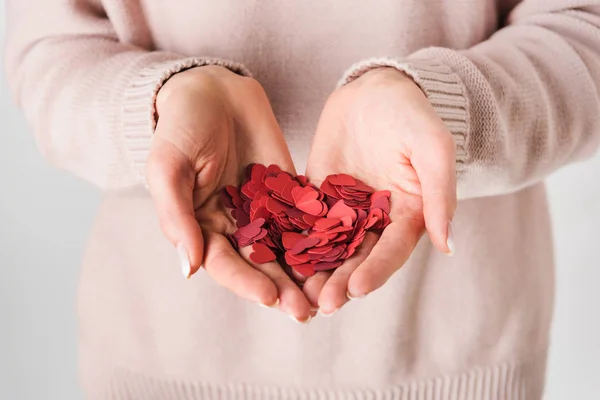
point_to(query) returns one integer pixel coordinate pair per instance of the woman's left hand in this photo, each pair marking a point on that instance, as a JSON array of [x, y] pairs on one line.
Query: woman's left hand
[[382, 129]]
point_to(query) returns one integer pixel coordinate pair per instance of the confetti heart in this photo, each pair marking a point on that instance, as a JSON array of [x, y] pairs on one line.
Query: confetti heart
[[325, 266], [262, 254], [312, 207], [296, 259], [304, 244], [306, 270], [341, 180], [309, 228], [278, 182], [252, 229], [257, 172], [326, 223], [275, 206], [341, 210], [290, 239]]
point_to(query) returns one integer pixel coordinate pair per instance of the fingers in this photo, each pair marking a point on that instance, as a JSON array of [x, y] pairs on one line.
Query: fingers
[[171, 181], [334, 293], [229, 270], [313, 286], [291, 299], [391, 251], [434, 161]]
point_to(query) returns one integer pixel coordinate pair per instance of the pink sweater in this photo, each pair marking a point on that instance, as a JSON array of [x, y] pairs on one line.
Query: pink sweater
[[517, 83]]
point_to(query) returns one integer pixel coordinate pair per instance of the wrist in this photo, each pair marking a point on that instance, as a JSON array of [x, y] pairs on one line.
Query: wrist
[[192, 77], [384, 75]]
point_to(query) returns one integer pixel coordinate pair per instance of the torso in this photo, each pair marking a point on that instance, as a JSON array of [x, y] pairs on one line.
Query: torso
[[490, 302]]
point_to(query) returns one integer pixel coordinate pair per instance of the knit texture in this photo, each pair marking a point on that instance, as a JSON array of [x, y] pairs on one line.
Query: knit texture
[[496, 383], [516, 82]]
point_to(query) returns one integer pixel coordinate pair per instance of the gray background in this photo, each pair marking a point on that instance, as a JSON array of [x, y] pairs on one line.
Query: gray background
[[45, 215]]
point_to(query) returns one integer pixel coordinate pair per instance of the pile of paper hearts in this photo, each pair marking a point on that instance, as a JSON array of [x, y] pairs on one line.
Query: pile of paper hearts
[[286, 218]]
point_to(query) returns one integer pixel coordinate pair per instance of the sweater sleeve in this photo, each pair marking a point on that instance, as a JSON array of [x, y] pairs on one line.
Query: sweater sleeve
[[521, 104], [88, 96]]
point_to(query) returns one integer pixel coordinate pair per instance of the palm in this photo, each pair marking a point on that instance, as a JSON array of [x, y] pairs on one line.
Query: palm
[[376, 156], [365, 161], [368, 149], [211, 125], [223, 167]]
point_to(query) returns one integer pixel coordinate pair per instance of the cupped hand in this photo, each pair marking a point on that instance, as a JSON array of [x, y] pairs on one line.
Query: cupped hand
[[212, 123], [382, 129]]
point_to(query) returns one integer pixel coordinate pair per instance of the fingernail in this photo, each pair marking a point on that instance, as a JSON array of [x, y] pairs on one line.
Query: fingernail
[[450, 240], [274, 305], [328, 314], [184, 260], [313, 309], [351, 297], [296, 320]]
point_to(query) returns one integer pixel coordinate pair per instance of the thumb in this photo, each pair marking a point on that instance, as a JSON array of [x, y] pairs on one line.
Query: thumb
[[434, 162], [171, 180]]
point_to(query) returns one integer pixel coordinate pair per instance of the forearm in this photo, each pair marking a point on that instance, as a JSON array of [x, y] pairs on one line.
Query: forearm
[[88, 97]]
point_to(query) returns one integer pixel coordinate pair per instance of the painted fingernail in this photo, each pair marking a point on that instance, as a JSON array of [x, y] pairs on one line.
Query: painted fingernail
[[351, 297], [274, 305], [301, 322], [450, 240], [328, 314], [184, 261]]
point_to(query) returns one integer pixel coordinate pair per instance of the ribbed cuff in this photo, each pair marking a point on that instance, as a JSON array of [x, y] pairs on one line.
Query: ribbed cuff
[[443, 88], [138, 113]]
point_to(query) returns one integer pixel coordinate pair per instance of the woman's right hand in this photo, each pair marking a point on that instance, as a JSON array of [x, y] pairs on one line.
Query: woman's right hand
[[212, 123]]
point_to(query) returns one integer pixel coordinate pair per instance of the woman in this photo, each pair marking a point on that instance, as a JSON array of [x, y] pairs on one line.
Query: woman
[[476, 101]]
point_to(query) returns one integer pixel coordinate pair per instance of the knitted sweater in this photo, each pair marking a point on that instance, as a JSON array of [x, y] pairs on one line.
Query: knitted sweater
[[516, 82]]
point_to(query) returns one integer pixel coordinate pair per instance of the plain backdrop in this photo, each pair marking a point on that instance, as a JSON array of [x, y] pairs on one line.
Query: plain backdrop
[[45, 215]]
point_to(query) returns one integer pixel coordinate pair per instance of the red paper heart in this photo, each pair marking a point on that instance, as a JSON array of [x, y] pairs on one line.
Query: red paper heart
[[278, 183], [261, 254], [306, 270], [257, 173], [304, 244], [342, 180], [290, 239], [323, 224], [340, 210]]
